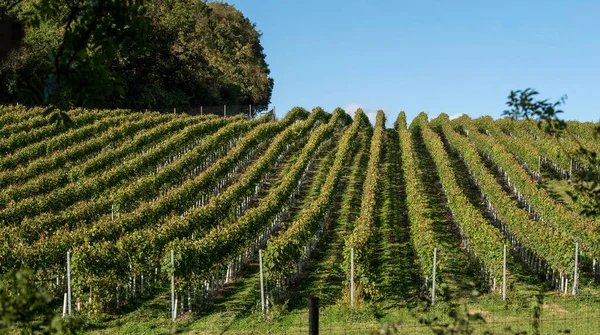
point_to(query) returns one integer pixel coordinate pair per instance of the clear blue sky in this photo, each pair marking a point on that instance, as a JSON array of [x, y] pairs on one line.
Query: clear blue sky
[[433, 56]]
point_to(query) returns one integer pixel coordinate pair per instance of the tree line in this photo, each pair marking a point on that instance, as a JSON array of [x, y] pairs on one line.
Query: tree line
[[130, 54]]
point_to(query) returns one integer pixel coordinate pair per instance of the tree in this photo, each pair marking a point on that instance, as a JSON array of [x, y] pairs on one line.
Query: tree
[[523, 105], [26, 309], [133, 54]]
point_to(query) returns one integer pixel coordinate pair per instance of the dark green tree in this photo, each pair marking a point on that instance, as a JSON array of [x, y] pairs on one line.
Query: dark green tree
[[132, 54]]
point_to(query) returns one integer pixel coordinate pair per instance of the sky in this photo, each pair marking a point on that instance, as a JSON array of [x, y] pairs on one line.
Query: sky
[[450, 57]]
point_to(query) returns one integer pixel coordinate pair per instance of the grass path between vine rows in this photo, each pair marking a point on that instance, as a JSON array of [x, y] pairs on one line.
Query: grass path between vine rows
[[458, 271], [241, 299], [395, 267], [323, 275], [523, 283]]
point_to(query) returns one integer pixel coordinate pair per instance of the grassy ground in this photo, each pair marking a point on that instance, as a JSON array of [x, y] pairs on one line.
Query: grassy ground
[[237, 312], [457, 270]]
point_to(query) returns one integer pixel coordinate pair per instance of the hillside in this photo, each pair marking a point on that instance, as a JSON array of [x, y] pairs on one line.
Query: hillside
[[146, 203]]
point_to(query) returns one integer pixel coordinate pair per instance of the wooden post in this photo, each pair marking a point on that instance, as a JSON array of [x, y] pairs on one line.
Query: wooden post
[[174, 110], [69, 281], [250, 111], [262, 284], [504, 276], [313, 316], [575, 279], [352, 277], [433, 284], [200, 110], [224, 110]]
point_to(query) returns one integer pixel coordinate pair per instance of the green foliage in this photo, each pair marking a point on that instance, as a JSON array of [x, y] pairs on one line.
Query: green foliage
[[135, 54], [421, 227], [25, 309], [362, 236], [523, 105], [221, 244], [286, 250]]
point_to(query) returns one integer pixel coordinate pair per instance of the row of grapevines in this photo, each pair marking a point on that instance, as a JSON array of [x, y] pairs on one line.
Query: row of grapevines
[[15, 114], [350, 206], [286, 250], [583, 130], [484, 241], [363, 231], [559, 154], [139, 145], [78, 157], [23, 139], [231, 203], [193, 162], [560, 158], [554, 216], [520, 148], [31, 152], [34, 122], [84, 212], [90, 187], [148, 187], [584, 134], [222, 244], [225, 205], [142, 248], [564, 156], [554, 247], [552, 153], [16, 119], [114, 195], [49, 172], [142, 254], [149, 213], [564, 147], [421, 226]]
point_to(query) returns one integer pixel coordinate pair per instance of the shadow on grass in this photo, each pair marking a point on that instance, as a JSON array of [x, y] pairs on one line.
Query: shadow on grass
[[459, 272]]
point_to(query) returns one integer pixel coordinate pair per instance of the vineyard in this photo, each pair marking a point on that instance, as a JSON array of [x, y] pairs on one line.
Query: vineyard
[[230, 223]]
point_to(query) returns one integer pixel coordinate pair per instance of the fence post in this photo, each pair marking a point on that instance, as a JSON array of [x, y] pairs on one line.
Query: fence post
[[571, 170], [504, 275], [575, 279], [224, 110], [69, 280], [173, 303], [313, 316], [200, 110], [433, 283], [64, 305], [250, 111], [262, 285], [352, 277]]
